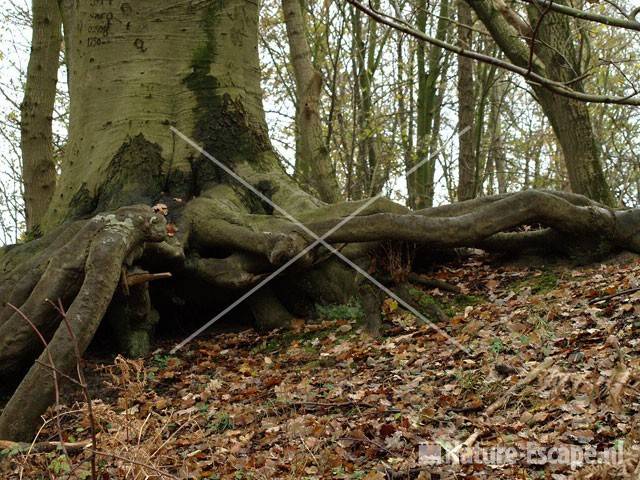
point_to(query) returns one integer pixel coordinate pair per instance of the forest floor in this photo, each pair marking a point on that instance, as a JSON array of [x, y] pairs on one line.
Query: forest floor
[[551, 380]]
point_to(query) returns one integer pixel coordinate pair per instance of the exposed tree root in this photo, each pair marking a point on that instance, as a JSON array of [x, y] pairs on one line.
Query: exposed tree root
[[86, 269], [230, 244]]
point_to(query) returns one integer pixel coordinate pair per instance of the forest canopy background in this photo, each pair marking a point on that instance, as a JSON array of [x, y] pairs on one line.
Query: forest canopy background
[[532, 156]]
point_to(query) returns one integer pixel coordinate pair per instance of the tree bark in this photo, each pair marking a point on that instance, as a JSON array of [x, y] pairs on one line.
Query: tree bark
[[466, 107], [227, 235], [369, 174], [569, 118], [112, 240], [36, 112], [313, 163], [496, 157], [138, 69], [421, 195]]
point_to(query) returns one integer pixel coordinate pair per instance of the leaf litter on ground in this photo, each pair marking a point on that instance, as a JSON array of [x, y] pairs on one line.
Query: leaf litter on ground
[[551, 365]]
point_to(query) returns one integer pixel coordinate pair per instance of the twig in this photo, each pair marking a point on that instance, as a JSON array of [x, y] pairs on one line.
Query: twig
[[534, 34], [614, 295], [56, 386], [532, 77], [471, 439], [59, 372], [43, 447], [143, 277], [629, 22], [315, 459], [135, 462], [170, 437], [525, 381], [84, 387], [327, 404]]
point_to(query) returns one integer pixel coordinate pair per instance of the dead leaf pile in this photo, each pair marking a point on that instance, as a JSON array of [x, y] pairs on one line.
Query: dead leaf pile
[[325, 401]]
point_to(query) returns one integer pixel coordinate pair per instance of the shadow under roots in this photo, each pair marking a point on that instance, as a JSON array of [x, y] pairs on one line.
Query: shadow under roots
[[180, 306]]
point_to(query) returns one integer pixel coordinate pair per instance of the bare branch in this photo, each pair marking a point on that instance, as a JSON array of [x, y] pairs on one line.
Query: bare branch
[[532, 77], [629, 23]]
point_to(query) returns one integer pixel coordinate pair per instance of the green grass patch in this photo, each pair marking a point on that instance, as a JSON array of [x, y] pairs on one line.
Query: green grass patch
[[285, 339], [469, 380], [539, 284], [221, 423], [451, 305], [345, 311]]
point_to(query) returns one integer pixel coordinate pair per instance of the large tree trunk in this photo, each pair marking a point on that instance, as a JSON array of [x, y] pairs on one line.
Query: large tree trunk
[[569, 118], [146, 67], [135, 70], [36, 112]]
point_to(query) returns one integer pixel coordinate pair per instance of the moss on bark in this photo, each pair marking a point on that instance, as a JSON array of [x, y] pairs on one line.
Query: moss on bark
[[225, 124]]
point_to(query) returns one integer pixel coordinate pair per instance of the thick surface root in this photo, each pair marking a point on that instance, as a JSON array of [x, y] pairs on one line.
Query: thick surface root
[[230, 245], [85, 271]]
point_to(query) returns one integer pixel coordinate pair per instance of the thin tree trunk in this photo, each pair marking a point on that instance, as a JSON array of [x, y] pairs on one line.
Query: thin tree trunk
[[496, 154], [466, 106], [555, 58], [427, 106], [486, 77], [370, 173], [358, 164], [416, 186], [405, 116], [313, 162], [38, 164], [434, 150]]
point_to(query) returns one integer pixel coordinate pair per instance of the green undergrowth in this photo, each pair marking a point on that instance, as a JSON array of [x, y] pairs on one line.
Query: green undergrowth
[[452, 305], [338, 317], [306, 340], [539, 284], [347, 311], [352, 313]]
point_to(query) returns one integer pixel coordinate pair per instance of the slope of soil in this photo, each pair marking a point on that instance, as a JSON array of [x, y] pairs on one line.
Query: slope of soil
[[548, 366]]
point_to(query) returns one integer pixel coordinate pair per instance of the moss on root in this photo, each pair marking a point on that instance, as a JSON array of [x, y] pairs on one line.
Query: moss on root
[[133, 176], [452, 305], [546, 281]]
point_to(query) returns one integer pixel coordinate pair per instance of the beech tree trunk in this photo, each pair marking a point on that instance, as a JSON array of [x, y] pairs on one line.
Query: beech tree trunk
[[36, 111], [570, 119], [136, 70]]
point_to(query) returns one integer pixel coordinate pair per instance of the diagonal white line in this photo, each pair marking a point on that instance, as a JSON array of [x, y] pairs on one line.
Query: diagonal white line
[[398, 299], [444, 145], [271, 276], [319, 240]]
